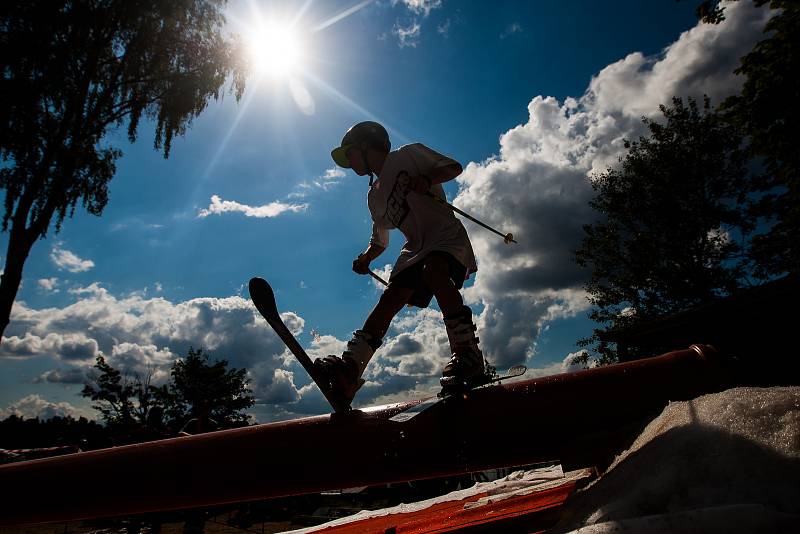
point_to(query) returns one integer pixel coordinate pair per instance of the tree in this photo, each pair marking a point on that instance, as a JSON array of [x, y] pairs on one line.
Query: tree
[[72, 70], [205, 393], [122, 400], [674, 229], [205, 390], [767, 110]]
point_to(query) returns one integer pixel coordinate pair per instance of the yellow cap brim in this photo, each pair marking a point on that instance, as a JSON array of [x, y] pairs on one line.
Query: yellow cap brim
[[339, 155]]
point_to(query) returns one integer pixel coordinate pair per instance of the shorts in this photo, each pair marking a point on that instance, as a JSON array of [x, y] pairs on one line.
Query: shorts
[[411, 278]]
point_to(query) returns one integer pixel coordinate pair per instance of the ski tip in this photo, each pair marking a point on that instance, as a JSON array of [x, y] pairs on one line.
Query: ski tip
[[262, 296]]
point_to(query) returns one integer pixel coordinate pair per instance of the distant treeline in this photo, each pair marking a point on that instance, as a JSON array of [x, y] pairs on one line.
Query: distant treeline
[[200, 396]]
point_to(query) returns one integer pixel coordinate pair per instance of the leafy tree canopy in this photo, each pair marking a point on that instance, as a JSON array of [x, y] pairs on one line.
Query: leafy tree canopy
[[201, 395], [72, 70], [767, 110], [674, 224]]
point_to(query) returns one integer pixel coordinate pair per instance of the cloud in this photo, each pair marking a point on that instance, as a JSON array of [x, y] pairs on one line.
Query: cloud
[[325, 182], [407, 35], [69, 346], [71, 375], [384, 273], [140, 335], [419, 7], [511, 30], [48, 285], [69, 261], [538, 185], [34, 406], [273, 209]]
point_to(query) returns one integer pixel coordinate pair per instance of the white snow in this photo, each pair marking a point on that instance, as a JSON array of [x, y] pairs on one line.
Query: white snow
[[727, 462]]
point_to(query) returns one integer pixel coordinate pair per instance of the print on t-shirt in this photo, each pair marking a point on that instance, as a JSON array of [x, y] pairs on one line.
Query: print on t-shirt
[[397, 205]]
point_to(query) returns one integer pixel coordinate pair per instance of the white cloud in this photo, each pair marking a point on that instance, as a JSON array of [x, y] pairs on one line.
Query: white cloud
[[137, 334], [420, 7], [538, 186], [67, 346], [407, 35], [325, 182], [69, 261], [571, 363], [48, 284], [33, 406], [273, 209], [70, 375], [333, 174], [385, 273]]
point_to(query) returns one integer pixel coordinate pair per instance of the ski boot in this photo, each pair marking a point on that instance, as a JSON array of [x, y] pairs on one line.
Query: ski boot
[[466, 369], [342, 374]]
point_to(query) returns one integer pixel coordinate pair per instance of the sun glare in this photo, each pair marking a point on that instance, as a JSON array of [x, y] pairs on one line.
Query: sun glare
[[275, 50]]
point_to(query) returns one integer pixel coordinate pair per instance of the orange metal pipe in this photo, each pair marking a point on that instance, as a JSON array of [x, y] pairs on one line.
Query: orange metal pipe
[[515, 424]]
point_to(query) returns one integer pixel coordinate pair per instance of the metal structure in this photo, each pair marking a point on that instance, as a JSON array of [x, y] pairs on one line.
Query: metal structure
[[515, 424]]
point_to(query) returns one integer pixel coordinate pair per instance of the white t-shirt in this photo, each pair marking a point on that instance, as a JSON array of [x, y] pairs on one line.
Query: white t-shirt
[[426, 224]]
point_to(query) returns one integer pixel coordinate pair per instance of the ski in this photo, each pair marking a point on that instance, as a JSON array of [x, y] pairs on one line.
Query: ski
[[513, 372], [455, 392], [264, 300]]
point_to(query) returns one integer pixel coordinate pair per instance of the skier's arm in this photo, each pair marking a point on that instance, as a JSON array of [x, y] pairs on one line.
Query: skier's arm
[[422, 183], [433, 167], [377, 244], [445, 173], [361, 263]]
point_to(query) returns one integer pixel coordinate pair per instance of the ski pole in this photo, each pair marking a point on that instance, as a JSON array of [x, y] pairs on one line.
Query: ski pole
[[507, 238], [378, 278]]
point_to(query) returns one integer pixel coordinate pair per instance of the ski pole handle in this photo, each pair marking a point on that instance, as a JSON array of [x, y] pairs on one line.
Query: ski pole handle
[[507, 238]]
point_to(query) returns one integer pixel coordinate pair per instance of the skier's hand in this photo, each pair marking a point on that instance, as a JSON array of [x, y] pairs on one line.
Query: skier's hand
[[361, 264], [420, 184]]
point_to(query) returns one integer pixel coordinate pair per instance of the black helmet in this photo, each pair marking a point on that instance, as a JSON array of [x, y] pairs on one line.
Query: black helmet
[[364, 135]]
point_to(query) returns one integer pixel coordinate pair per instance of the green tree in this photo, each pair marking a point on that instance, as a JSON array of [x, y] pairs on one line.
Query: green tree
[[72, 70], [674, 227], [205, 391]]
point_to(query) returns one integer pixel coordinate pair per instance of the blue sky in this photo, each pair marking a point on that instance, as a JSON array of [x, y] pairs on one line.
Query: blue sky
[[531, 97]]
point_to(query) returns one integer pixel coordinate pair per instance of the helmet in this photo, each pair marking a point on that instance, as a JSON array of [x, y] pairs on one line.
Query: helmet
[[364, 135]]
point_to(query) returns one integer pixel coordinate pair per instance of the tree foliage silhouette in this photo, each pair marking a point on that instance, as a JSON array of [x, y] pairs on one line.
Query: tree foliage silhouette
[[768, 110], [73, 70], [201, 395], [203, 390], [674, 226]]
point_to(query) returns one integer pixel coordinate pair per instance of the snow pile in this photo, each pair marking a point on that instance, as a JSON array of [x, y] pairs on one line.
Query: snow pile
[[728, 462]]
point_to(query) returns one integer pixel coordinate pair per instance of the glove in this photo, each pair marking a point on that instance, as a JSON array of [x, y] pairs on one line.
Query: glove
[[361, 264]]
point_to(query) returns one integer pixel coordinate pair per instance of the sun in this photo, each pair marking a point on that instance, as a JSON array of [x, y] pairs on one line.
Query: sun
[[276, 50]]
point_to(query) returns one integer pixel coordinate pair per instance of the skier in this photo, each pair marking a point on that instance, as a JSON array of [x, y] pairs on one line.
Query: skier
[[435, 260]]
